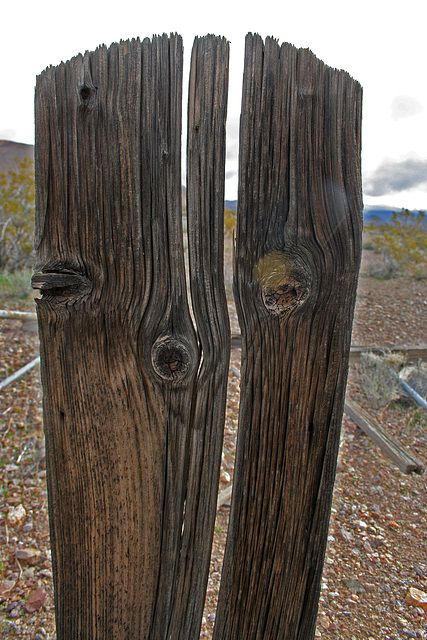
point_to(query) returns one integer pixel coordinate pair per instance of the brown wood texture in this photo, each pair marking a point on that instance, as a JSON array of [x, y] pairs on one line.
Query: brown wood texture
[[133, 392], [297, 257], [403, 459]]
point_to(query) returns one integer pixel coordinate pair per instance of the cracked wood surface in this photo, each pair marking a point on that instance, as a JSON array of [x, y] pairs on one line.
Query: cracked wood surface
[[134, 391], [297, 257]]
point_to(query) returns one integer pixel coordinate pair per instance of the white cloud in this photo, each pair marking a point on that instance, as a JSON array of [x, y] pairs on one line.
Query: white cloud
[[393, 176], [405, 107]]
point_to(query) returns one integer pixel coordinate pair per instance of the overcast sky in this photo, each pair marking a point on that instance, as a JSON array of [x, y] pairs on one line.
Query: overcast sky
[[381, 44]]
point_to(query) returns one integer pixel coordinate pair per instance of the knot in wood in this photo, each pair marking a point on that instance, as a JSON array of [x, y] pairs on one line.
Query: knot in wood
[[170, 358], [285, 281], [87, 95]]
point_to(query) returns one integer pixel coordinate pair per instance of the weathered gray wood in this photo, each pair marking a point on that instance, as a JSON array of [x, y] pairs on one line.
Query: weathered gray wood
[[207, 110], [131, 449], [297, 256], [403, 459]]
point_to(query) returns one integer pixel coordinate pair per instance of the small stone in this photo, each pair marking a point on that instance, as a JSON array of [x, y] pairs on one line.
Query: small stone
[[346, 535], [417, 598], [225, 477], [422, 574], [41, 458], [29, 573], [6, 586], [367, 546], [28, 556], [36, 599], [15, 612], [16, 515], [10, 468], [211, 617], [324, 622], [354, 585], [46, 573], [27, 527]]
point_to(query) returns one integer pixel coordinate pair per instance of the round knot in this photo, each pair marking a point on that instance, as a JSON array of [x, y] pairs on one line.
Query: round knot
[[285, 281], [170, 359], [87, 95]]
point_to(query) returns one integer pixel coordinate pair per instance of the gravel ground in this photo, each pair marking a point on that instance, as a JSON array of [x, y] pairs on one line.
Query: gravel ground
[[377, 540]]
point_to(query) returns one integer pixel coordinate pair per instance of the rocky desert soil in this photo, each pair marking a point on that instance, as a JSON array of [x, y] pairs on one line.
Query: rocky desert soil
[[377, 549]]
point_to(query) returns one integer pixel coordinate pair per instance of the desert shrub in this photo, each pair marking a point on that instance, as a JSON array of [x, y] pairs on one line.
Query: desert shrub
[[368, 245], [230, 220], [377, 376], [17, 211], [16, 286], [402, 245]]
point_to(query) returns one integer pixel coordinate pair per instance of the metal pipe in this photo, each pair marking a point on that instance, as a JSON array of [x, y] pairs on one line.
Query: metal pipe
[[18, 315], [416, 396], [19, 373]]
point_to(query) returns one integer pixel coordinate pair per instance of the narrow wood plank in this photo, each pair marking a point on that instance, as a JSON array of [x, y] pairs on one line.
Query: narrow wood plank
[[207, 111], [404, 460], [410, 354], [297, 256], [120, 356]]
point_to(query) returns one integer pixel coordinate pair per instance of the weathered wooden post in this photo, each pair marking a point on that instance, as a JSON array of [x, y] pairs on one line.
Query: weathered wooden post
[[297, 257], [134, 394]]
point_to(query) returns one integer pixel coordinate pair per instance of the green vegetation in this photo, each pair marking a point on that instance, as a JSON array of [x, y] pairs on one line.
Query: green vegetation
[[230, 220], [17, 212], [416, 419], [16, 286], [401, 244]]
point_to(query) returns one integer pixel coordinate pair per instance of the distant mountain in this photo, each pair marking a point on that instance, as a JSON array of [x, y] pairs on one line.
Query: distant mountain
[[231, 204], [380, 214], [12, 151], [370, 213]]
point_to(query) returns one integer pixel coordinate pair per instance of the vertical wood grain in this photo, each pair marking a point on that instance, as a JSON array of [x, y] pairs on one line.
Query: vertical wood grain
[[122, 362], [297, 257]]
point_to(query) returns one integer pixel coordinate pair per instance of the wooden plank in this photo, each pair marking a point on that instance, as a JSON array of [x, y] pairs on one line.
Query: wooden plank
[[406, 462], [410, 354], [119, 353], [206, 151], [297, 255]]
